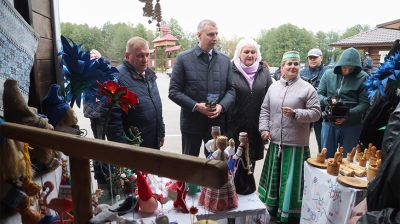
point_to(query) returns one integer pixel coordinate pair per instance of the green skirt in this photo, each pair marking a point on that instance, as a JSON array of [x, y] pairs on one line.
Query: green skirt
[[281, 182]]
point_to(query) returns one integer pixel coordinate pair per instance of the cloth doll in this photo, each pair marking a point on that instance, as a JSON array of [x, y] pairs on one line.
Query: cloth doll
[[17, 111], [147, 202], [211, 144], [231, 152], [59, 113], [12, 198], [16, 173], [180, 201], [14, 181], [243, 177], [224, 198]]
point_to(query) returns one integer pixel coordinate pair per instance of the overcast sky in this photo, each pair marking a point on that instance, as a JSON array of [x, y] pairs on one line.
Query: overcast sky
[[243, 18]]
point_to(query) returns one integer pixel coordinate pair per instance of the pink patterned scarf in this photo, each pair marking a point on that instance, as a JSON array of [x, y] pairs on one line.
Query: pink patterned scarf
[[248, 72]]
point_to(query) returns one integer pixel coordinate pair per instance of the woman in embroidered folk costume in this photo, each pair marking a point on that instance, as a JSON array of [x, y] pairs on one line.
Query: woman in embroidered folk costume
[[289, 107], [224, 198]]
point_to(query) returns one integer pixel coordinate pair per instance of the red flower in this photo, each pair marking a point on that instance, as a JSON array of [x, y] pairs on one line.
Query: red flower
[[193, 210], [118, 95]]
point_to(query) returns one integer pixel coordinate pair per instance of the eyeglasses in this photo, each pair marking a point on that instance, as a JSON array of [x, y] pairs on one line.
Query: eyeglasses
[[312, 57], [292, 63]]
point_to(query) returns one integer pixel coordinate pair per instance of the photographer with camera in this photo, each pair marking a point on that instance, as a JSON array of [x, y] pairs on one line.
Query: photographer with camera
[[313, 74], [343, 95]]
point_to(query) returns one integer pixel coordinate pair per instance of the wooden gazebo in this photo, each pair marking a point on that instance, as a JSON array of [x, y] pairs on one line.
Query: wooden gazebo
[[377, 42], [166, 42]]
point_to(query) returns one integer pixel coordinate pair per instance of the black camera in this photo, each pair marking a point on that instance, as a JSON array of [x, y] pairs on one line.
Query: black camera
[[335, 111]]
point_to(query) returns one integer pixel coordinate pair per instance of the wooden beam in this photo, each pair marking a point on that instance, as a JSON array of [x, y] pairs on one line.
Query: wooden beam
[[210, 173]]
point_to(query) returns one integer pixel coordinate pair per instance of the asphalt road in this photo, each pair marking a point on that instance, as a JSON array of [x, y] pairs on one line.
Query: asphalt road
[[171, 118]]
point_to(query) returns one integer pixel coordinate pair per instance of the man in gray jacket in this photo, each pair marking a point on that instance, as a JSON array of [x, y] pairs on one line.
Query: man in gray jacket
[[201, 85]]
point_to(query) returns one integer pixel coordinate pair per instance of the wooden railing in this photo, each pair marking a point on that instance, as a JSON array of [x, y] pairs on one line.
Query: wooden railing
[[210, 173]]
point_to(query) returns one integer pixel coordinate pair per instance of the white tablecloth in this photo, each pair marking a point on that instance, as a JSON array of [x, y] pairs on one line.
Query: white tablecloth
[[324, 199], [250, 210]]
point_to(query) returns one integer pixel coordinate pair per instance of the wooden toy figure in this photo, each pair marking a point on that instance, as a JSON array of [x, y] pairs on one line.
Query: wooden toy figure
[[340, 156], [224, 198], [333, 165], [359, 152], [322, 155], [362, 161], [350, 155]]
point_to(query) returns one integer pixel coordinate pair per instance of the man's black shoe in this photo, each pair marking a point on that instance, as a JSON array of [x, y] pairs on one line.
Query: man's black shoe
[[126, 206]]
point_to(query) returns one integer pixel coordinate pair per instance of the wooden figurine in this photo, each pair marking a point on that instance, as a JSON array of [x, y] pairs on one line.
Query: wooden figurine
[[378, 154], [362, 161], [350, 155], [340, 156], [373, 151], [367, 153], [373, 158], [359, 152], [371, 171], [322, 156], [333, 165]]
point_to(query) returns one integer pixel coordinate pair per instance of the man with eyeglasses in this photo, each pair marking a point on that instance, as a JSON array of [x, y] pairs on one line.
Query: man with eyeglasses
[[313, 74]]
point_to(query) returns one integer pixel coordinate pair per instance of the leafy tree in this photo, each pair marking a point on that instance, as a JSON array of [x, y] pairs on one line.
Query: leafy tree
[[185, 40], [276, 41], [110, 40], [90, 37], [354, 30], [228, 46], [323, 41], [117, 36]]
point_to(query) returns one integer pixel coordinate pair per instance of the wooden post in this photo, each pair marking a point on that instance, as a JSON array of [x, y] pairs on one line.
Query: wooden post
[[81, 191]]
